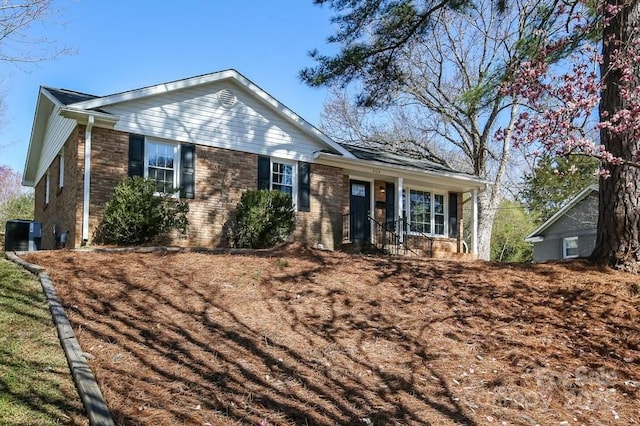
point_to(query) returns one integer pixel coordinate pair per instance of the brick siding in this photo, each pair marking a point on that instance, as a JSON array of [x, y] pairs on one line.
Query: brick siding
[[221, 176]]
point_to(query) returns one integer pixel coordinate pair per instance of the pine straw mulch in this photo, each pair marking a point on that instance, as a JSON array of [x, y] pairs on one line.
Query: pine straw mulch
[[302, 337]]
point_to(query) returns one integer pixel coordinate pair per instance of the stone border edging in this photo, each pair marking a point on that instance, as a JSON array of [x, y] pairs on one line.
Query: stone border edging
[[92, 399]]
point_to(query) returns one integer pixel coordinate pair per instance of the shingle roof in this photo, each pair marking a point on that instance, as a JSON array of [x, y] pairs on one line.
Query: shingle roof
[[67, 97], [379, 155]]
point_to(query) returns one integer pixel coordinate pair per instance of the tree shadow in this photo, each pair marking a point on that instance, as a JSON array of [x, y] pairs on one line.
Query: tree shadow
[[335, 339]]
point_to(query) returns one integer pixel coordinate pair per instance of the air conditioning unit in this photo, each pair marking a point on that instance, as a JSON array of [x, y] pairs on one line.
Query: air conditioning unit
[[22, 235]]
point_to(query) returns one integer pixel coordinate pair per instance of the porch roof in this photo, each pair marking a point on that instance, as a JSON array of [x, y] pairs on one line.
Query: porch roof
[[379, 164]]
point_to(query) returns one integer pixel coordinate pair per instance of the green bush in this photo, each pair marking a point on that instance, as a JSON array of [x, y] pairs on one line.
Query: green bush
[[263, 219], [136, 215]]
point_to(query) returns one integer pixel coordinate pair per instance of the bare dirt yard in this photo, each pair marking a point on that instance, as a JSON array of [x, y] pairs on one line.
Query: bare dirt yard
[[302, 337]]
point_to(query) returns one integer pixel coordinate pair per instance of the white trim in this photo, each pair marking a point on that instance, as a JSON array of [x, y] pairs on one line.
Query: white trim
[[61, 169], [398, 213], [432, 214], [230, 74], [565, 242], [47, 188], [474, 218], [294, 177], [455, 182], [87, 179], [177, 169]]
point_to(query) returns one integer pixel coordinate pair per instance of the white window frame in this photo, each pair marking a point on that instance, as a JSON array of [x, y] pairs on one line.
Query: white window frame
[[176, 162], [294, 177], [407, 203], [61, 169], [565, 247], [47, 188]]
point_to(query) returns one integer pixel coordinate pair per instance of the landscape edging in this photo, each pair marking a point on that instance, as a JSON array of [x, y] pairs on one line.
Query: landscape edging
[[86, 384]]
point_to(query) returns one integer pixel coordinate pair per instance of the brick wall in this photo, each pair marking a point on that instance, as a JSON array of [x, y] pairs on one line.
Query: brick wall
[[322, 226], [63, 210], [221, 177]]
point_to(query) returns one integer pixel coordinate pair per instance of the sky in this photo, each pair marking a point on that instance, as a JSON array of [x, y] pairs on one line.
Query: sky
[[121, 45]]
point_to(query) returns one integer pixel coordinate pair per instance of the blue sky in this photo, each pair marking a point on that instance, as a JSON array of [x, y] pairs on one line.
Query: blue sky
[[127, 44]]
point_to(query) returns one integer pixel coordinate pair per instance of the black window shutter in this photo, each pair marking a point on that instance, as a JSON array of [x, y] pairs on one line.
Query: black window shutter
[[187, 172], [390, 203], [304, 187], [264, 171], [136, 155], [453, 214]]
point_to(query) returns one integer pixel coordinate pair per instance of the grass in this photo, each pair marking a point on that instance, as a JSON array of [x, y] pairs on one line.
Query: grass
[[35, 382]]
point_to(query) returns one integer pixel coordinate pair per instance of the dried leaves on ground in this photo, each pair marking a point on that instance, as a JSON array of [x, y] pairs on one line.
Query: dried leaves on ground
[[298, 337]]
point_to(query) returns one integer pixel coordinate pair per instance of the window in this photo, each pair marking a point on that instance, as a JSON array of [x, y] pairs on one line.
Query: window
[[425, 212], [61, 168], [358, 190], [420, 212], [47, 188], [161, 163], [570, 247], [282, 177]]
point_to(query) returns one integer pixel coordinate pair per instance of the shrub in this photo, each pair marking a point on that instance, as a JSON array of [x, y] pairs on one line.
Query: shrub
[[136, 215], [263, 219]]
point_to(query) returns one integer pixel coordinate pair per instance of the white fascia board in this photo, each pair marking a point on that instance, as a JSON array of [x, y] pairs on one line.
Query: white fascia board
[[563, 210], [464, 183], [230, 74], [82, 117], [537, 239], [36, 139]]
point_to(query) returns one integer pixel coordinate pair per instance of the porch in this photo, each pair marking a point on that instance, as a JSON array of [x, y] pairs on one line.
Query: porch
[[405, 205], [396, 238], [397, 218]]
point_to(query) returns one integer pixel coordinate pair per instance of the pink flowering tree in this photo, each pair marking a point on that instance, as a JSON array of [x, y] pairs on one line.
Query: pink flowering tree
[[561, 118]]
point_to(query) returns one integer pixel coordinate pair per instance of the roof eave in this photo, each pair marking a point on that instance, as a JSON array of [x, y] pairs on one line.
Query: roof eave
[[564, 209], [82, 116], [36, 139], [230, 74], [467, 181]]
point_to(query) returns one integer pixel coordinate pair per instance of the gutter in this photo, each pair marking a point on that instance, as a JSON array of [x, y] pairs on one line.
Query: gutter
[[87, 179], [375, 167]]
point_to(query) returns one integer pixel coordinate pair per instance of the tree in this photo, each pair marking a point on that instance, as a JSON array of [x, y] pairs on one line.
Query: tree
[[564, 130], [438, 69], [16, 45], [556, 179], [510, 228], [15, 202]]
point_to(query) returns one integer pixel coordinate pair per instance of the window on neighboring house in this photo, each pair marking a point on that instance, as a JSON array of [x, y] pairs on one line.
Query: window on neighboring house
[[47, 188], [61, 168], [570, 247], [161, 162], [425, 212]]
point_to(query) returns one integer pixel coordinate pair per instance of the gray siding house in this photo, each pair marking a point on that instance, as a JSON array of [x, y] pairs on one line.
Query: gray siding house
[[570, 232]]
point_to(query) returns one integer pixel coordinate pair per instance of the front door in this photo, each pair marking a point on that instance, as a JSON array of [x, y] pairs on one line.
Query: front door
[[360, 203]]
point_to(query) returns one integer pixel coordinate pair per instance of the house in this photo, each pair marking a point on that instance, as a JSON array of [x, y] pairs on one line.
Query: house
[[570, 232], [215, 136]]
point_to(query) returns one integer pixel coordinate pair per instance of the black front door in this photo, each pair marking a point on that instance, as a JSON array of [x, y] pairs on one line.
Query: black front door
[[360, 203]]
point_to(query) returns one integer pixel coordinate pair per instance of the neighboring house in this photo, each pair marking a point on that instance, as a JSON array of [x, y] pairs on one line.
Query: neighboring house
[[570, 232], [216, 136]]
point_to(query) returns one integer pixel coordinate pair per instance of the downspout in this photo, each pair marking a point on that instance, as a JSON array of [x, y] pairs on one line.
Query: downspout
[[87, 179]]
